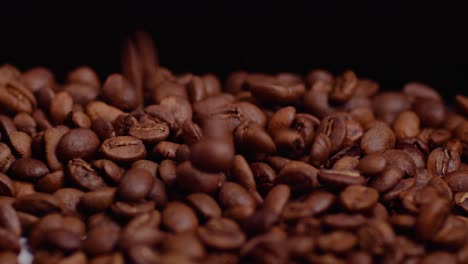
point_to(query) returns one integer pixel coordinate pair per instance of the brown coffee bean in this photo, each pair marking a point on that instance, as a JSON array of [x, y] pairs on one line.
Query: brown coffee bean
[[406, 125], [321, 149], [60, 106], [9, 219], [102, 128], [222, 234], [7, 187], [165, 150], [387, 179], [184, 244], [69, 199], [194, 180], [234, 197], [377, 139], [78, 143], [191, 132], [401, 160], [337, 242], [37, 203], [253, 138], [212, 155], [119, 92], [83, 175], [205, 205], [82, 93], [28, 169], [431, 218], [300, 176], [150, 132], [101, 240], [281, 119], [178, 217], [108, 170], [419, 90], [289, 143], [25, 123], [98, 109], [442, 161], [180, 108], [431, 112], [457, 180], [461, 200], [16, 98], [51, 182], [52, 137], [451, 234], [388, 105], [135, 185], [462, 103], [139, 235], [244, 176], [316, 203], [372, 164], [158, 193], [63, 240], [83, 75], [99, 200], [123, 149], [273, 91], [21, 144], [403, 221], [376, 237], [167, 172], [344, 87], [6, 158], [340, 178], [358, 198]]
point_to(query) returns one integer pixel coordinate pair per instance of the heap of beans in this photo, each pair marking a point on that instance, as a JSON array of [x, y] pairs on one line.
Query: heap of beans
[[153, 167]]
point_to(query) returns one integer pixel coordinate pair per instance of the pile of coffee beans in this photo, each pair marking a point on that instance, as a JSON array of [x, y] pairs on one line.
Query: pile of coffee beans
[[148, 166]]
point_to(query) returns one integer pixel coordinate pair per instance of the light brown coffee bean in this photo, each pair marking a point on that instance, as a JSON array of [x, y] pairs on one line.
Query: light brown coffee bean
[[123, 149], [178, 217]]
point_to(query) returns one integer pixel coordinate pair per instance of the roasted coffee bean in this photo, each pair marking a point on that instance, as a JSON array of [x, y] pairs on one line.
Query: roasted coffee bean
[[253, 138], [178, 217], [98, 109], [387, 179], [6, 158], [150, 132], [69, 199], [431, 218], [431, 112], [16, 98], [321, 149], [222, 234], [9, 241], [28, 169], [376, 237], [372, 164], [389, 104], [167, 172], [184, 244], [37, 203], [63, 240], [135, 185], [337, 178], [84, 75], [442, 161], [21, 144], [165, 150], [451, 234], [82, 93], [212, 155], [127, 210], [77, 143], [158, 193], [244, 176], [123, 149], [461, 200], [99, 200], [7, 187], [337, 242], [9, 219], [119, 92], [25, 123], [439, 257], [108, 170], [457, 180], [83, 175], [289, 143], [52, 137], [377, 139], [193, 180], [205, 205], [23, 188], [273, 91], [101, 240], [237, 200], [406, 125], [300, 176], [358, 198], [401, 160]]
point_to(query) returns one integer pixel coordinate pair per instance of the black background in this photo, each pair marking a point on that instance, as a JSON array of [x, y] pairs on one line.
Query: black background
[[389, 41]]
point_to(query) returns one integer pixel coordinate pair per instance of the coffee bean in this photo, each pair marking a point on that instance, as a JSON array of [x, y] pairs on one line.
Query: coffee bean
[[289, 142], [191, 132], [21, 144], [52, 137], [338, 178], [82, 93], [344, 87], [212, 155], [205, 205], [388, 105], [83, 175], [8, 257], [135, 185], [37, 203], [99, 200], [123, 149], [387, 179], [69, 199], [457, 180], [98, 109], [167, 172], [63, 240], [461, 200], [376, 237], [16, 98], [358, 198], [28, 169], [108, 170], [442, 161], [9, 241], [431, 218], [184, 244], [233, 197], [194, 180], [406, 125], [450, 234], [300, 176], [337, 242], [178, 217], [6, 158], [25, 123], [377, 139], [439, 257], [119, 92], [9, 219], [271, 90], [51, 182], [253, 138], [222, 234], [101, 240], [431, 112], [165, 150], [150, 132], [7, 188]]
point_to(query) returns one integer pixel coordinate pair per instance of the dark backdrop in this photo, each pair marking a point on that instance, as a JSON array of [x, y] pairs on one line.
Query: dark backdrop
[[388, 41]]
